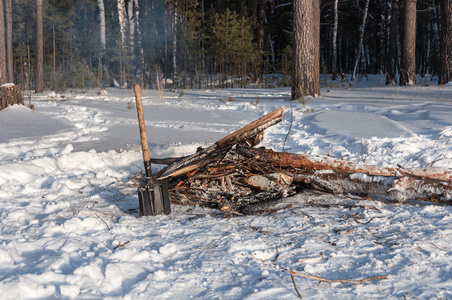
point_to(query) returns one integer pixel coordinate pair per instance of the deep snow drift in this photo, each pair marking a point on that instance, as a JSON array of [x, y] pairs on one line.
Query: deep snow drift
[[68, 190]]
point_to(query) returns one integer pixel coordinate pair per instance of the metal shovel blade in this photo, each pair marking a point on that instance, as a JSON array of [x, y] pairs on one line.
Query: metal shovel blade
[[154, 199]]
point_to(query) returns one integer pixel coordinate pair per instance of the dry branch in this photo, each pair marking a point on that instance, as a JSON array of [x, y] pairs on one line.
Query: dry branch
[[338, 280], [295, 286]]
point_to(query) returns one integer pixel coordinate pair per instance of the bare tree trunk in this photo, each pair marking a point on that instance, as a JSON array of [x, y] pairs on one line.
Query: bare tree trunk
[[102, 33], [334, 67], [408, 71], [3, 69], [122, 18], [361, 38], [54, 57], [271, 42], [105, 66], [391, 62], [131, 17], [306, 75], [445, 74], [9, 41], [39, 82], [261, 36], [175, 41], [141, 66]]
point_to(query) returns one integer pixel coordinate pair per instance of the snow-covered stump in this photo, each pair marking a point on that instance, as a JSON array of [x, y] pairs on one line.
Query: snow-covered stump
[[10, 94]]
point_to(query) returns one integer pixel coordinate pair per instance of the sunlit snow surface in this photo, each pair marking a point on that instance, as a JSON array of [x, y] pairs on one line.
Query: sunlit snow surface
[[68, 190]]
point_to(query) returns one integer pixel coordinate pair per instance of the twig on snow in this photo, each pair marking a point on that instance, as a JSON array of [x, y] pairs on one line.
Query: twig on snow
[[103, 221], [295, 286], [121, 245], [363, 223], [320, 279]]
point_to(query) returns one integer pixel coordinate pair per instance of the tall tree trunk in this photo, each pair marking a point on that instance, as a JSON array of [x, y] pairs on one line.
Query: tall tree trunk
[[39, 82], [140, 65], [175, 31], [9, 41], [3, 69], [408, 71], [261, 36], [122, 18], [105, 66], [203, 46], [436, 37], [361, 39], [445, 74], [334, 66], [306, 50], [393, 53], [131, 17]]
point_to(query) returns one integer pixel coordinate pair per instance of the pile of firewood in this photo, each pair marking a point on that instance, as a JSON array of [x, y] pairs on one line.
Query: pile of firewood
[[10, 94], [233, 174]]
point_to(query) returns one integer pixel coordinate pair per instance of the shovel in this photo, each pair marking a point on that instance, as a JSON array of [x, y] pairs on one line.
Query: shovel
[[153, 197]]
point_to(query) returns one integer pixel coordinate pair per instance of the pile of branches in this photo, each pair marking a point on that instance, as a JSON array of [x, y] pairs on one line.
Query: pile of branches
[[233, 174]]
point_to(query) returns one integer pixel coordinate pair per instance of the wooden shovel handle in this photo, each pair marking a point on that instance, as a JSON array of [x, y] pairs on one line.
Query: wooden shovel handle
[[144, 138]]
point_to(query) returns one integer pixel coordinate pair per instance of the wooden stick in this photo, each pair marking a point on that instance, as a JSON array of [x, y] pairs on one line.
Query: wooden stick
[[253, 128], [141, 124], [121, 245], [103, 221], [295, 286], [337, 280], [165, 161]]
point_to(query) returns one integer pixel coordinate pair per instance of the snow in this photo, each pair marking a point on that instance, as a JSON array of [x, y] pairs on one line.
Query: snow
[[7, 84], [69, 172]]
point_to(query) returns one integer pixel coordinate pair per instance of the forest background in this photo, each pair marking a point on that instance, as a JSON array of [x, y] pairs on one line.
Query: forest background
[[200, 44]]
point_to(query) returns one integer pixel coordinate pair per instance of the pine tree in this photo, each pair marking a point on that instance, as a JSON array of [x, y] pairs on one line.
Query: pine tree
[[39, 81], [9, 41], [445, 74], [306, 74], [392, 55], [229, 40], [3, 68], [408, 70], [361, 38], [188, 40]]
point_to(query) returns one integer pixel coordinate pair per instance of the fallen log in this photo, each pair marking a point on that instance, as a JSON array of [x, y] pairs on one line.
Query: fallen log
[[394, 188], [231, 175], [299, 161]]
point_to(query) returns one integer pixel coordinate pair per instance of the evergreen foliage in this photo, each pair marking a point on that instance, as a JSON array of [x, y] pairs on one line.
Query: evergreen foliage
[[229, 40], [199, 43]]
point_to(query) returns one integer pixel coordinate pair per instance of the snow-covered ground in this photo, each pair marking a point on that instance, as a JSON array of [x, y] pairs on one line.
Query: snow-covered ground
[[68, 190]]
